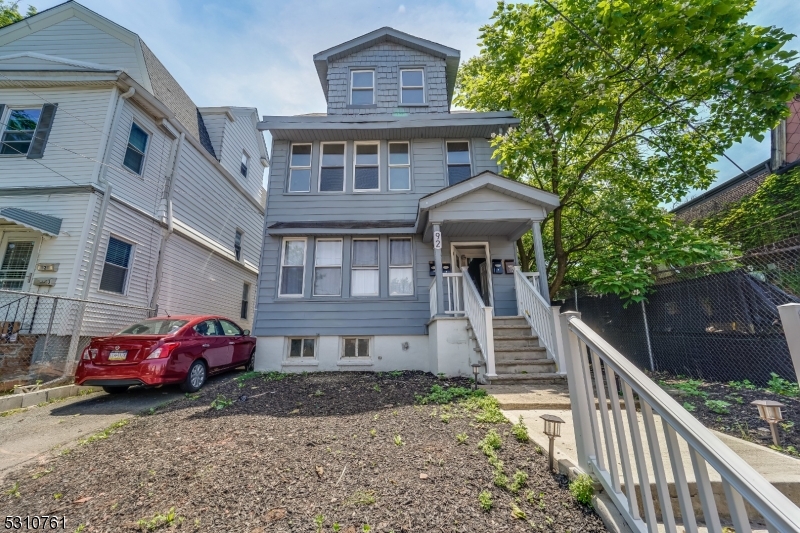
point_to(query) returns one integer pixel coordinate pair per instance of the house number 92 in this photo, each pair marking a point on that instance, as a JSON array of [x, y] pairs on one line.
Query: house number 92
[[437, 240]]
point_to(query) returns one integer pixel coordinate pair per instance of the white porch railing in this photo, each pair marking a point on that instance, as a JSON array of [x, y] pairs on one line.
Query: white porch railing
[[593, 367], [480, 318], [542, 318], [432, 298], [453, 294]]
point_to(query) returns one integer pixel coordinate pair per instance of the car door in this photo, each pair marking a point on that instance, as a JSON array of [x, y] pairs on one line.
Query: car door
[[216, 350], [237, 339]]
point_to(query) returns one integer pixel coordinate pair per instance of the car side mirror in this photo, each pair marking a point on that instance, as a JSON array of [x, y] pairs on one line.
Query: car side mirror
[[247, 332]]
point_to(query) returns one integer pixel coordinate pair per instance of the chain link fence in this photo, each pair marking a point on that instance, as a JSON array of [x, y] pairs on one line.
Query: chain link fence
[[715, 321], [42, 336]]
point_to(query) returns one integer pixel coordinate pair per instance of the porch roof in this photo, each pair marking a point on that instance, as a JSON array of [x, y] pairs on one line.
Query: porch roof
[[46, 224]]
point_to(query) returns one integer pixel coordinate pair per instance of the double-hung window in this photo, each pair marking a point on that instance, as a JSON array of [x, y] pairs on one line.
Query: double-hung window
[[328, 267], [300, 168], [20, 125], [365, 276], [362, 87], [237, 245], [401, 268], [412, 86], [458, 162], [116, 267], [245, 301], [137, 147], [245, 163], [399, 167], [293, 266], [331, 168], [366, 173]]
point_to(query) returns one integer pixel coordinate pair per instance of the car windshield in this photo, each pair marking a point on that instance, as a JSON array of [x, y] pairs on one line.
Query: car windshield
[[155, 326]]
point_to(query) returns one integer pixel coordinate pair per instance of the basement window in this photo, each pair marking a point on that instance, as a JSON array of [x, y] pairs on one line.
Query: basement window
[[356, 347], [302, 348]]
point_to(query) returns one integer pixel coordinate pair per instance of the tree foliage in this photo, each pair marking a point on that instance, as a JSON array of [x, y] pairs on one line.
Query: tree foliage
[[622, 116], [9, 13]]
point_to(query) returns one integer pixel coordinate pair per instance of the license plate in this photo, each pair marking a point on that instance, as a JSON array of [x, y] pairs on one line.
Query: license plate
[[118, 355]]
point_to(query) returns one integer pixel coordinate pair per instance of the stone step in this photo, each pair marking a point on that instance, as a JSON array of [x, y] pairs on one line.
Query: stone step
[[509, 321], [508, 343], [521, 354], [523, 330], [524, 379], [540, 366]]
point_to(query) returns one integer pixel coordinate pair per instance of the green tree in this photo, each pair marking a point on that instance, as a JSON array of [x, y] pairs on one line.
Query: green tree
[[9, 13], [620, 113]]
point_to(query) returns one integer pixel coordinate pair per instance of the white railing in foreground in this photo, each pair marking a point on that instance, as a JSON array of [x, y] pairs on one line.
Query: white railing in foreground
[[432, 298], [452, 287], [588, 354], [480, 318], [542, 318]]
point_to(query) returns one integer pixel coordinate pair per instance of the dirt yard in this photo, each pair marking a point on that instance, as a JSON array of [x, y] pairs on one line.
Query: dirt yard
[[350, 452]]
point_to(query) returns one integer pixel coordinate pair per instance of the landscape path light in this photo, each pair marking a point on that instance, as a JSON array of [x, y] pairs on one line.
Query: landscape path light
[[552, 428], [475, 367], [770, 412]]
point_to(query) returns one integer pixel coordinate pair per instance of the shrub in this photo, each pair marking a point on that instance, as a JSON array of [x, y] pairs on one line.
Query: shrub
[[490, 443], [718, 406], [485, 499], [487, 407], [518, 481], [690, 387], [745, 384], [441, 395], [689, 407], [783, 387], [221, 402], [519, 431], [582, 489]]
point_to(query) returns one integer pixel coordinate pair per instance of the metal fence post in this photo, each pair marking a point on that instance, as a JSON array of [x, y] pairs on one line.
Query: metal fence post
[[579, 401], [647, 336], [72, 353], [49, 327], [790, 318]]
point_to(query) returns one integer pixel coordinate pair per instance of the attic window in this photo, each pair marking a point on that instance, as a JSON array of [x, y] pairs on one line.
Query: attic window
[[412, 86], [362, 87], [245, 162]]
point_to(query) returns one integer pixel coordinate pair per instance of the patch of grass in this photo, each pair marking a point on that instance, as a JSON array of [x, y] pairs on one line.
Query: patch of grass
[[221, 402], [42, 473], [461, 438], [736, 399], [519, 431], [395, 373], [440, 395], [518, 480], [490, 443], [361, 497], [718, 406], [319, 521], [690, 387], [247, 376], [398, 441], [745, 384], [12, 412], [485, 499], [487, 409], [783, 387], [192, 396], [160, 520], [13, 491], [689, 407], [110, 430], [336, 527], [582, 489], [274, 376]]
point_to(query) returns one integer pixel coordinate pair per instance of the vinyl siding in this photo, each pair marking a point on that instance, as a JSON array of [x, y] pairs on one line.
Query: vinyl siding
[[215, 125], [482, 153], [486, 204], [238, 136]]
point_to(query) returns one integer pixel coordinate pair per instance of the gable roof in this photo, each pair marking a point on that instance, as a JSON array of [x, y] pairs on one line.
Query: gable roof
[[495, 182], [451, 56]]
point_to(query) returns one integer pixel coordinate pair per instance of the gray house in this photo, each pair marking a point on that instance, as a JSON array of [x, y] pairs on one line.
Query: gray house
[[389, 239]]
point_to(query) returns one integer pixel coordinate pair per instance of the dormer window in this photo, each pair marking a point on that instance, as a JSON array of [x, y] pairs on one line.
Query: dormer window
[[362, 87], [412, 86]]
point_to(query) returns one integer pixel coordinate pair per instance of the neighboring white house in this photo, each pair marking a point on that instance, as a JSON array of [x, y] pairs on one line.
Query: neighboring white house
[[114, 185]]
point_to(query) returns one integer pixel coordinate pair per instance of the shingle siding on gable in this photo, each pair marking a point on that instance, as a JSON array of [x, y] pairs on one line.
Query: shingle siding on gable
[[386, 58]]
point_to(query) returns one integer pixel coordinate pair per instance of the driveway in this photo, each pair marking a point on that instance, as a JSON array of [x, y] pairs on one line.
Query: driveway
[[32, 435]]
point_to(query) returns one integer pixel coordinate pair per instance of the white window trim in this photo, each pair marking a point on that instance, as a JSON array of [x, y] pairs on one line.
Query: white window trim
[[310, 157], [356, 144], [344, 167], [354, 71], [353, 268], [447, 156], [406, 165], [281, 265], [146, 149], [130, 265], [300, 361], [4, 121], [358, 360], [424, 96], [411, 266], [341, 267]]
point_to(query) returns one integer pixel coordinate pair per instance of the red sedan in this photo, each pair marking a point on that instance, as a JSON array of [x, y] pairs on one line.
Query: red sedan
[[159, 351]]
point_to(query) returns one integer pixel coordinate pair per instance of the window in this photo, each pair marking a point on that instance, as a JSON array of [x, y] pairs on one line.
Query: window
[[362, 87], [365, 276], [137, 145], [293, 262], [154, 326], [458, 163], [328, 268], [237, 245], [331, 168], [208, 328], [356, 347], [245, 301], [20, 125], [116, 267], [366, 176], [245, 162], [399, 167], [401, 268], [303, 348], [229, 329], [412, 86], [300, 168]]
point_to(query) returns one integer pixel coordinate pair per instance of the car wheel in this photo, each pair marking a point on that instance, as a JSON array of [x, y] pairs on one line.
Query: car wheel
[[116, 389], [251, 363], [195, 378]]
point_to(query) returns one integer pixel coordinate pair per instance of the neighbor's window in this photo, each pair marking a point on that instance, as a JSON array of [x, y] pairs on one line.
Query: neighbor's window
[[300, 168], [237, 245], [356, 347], [458, 162], [328, 267], [366, 176], [154, 326], [365, 276], [401, 268], [331, 168], [116, 267], [301, 348], [137, 145], [245, 162], [362, 87], [230, 329], [20, 125], [412, 86], [245, 301], [293, 262], [399, 167]]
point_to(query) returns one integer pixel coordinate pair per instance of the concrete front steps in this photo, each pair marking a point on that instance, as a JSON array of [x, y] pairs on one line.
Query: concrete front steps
[[518, 357]]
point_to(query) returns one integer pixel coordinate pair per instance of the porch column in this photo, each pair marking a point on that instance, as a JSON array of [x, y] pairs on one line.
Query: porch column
[[437, 259], [540, 264]]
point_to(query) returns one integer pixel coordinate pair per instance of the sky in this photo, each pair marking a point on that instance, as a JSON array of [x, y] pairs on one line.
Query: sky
[[258, 53]]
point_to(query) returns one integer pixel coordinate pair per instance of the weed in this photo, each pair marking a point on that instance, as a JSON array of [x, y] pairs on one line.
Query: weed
[[745, 384], [398, 441], [485, 499], [160, 520], [192, 396], [14, 490], [462, 438], [57, 496], [247, 376], [361, 497], [221, 402], [65, 451], [735, 398], [373, 433], [786, 426], [538, 449], [110, 430], [689, 407], [376, 388], [440, 395], [319, 521], [490, 443], [366, 528], [336, 527], [718, 406], [500, 479], [80, 528], [582, 488], [518, 513], [744, 431], [318, 393], [530, 496], [690, 387], [519, 431], [274, 376], [518, 481], [12, 412], [549, 520], [396, 373], [446, 418], [42, 473], [783, 387]]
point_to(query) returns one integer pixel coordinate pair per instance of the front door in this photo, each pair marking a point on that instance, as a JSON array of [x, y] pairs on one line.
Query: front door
[[474, 256], [17, 260]]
